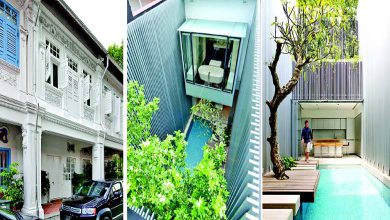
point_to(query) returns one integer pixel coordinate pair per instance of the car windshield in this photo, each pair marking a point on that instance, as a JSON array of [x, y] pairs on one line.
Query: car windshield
[[93, 189]]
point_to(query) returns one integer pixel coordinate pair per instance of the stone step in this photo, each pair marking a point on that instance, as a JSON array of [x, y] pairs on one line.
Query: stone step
[[304, 167], [277, 214], [281, 202]]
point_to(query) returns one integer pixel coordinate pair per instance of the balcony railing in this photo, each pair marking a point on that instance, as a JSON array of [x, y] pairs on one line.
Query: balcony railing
[[331, 81]]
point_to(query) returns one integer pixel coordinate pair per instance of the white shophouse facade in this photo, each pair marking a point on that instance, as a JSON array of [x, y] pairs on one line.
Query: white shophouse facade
[[60, 98]]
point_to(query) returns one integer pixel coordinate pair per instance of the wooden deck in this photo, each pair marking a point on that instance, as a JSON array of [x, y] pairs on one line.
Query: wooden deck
[[301, 182]]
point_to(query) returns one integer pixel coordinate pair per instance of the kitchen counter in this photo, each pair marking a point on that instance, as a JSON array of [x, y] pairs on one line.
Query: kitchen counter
[[328, 147]]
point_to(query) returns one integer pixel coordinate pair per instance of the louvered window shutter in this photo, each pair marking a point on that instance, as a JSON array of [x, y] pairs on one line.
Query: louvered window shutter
[[108, 102], [117, 114], [12, 50], [2, 37], [95, 97], [63, 82], [47, 63], [86, 87], [9, 34]]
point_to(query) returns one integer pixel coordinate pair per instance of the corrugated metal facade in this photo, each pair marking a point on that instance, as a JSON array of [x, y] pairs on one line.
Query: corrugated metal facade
[[331, 81], [154, 60], [243, 170], [375, 18]]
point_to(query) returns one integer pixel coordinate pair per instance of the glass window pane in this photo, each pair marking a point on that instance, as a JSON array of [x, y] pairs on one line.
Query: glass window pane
[[232, 59], [209, 54], [55, 75], [187, 57]]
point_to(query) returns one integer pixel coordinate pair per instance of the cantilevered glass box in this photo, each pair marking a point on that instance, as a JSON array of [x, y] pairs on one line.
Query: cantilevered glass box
[[212, 58]]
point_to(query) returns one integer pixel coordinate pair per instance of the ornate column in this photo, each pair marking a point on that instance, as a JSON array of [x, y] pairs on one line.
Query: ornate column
[[98, 159], [31, 165]]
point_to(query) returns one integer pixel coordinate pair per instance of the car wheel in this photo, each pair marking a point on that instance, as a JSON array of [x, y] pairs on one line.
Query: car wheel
[[106, 218]]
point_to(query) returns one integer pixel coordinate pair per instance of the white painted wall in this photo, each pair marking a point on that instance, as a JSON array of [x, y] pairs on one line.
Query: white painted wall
[[374, 35]]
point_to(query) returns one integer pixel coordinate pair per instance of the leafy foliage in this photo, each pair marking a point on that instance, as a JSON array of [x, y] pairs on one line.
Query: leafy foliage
[[116, 52], [157, 176], [114, 168], [79, 179], [139, 114], [289, 162], [209, 114], [319, 29], [12, 185]]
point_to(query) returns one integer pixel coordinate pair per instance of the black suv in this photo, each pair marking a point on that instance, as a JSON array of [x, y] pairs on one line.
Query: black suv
[[95, 200]]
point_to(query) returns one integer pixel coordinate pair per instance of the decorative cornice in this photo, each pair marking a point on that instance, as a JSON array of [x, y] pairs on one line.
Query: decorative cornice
[[114, 139], [11, 103], [68, 123], [58, 34]]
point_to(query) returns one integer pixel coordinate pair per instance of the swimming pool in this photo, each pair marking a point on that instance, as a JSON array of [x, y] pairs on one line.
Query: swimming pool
[[197, 136], [348, 193]]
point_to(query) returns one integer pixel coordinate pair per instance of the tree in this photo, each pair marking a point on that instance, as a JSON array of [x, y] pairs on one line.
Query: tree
[[139, 114], [158, 178], [116, 52], [314, 30]]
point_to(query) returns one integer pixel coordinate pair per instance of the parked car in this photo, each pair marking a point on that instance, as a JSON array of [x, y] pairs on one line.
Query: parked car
[[95, 200], [6, 214]]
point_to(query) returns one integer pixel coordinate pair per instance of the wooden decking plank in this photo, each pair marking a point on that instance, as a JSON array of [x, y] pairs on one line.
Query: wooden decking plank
[[301, 182]]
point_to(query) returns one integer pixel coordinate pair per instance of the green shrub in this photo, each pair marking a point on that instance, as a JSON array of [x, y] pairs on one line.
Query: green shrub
[[288, 162], [12, 186]]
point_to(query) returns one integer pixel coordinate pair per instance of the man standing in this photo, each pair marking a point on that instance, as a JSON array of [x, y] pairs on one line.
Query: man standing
[[306, 138]]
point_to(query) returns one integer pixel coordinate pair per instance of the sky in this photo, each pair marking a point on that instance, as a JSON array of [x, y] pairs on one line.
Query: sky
[[108, 29]]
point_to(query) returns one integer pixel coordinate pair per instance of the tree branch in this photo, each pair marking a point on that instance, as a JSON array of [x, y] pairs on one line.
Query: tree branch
[[273, 65]]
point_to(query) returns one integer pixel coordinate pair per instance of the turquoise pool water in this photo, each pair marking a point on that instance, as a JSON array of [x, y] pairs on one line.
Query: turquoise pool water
[[197, 136], [348, 193]]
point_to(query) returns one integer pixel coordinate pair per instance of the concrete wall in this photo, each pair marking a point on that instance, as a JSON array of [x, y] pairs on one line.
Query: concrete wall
[[374, 35], [270, 9]]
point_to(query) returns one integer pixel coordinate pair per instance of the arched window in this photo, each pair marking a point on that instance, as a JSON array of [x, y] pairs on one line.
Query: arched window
[[9, 33]]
